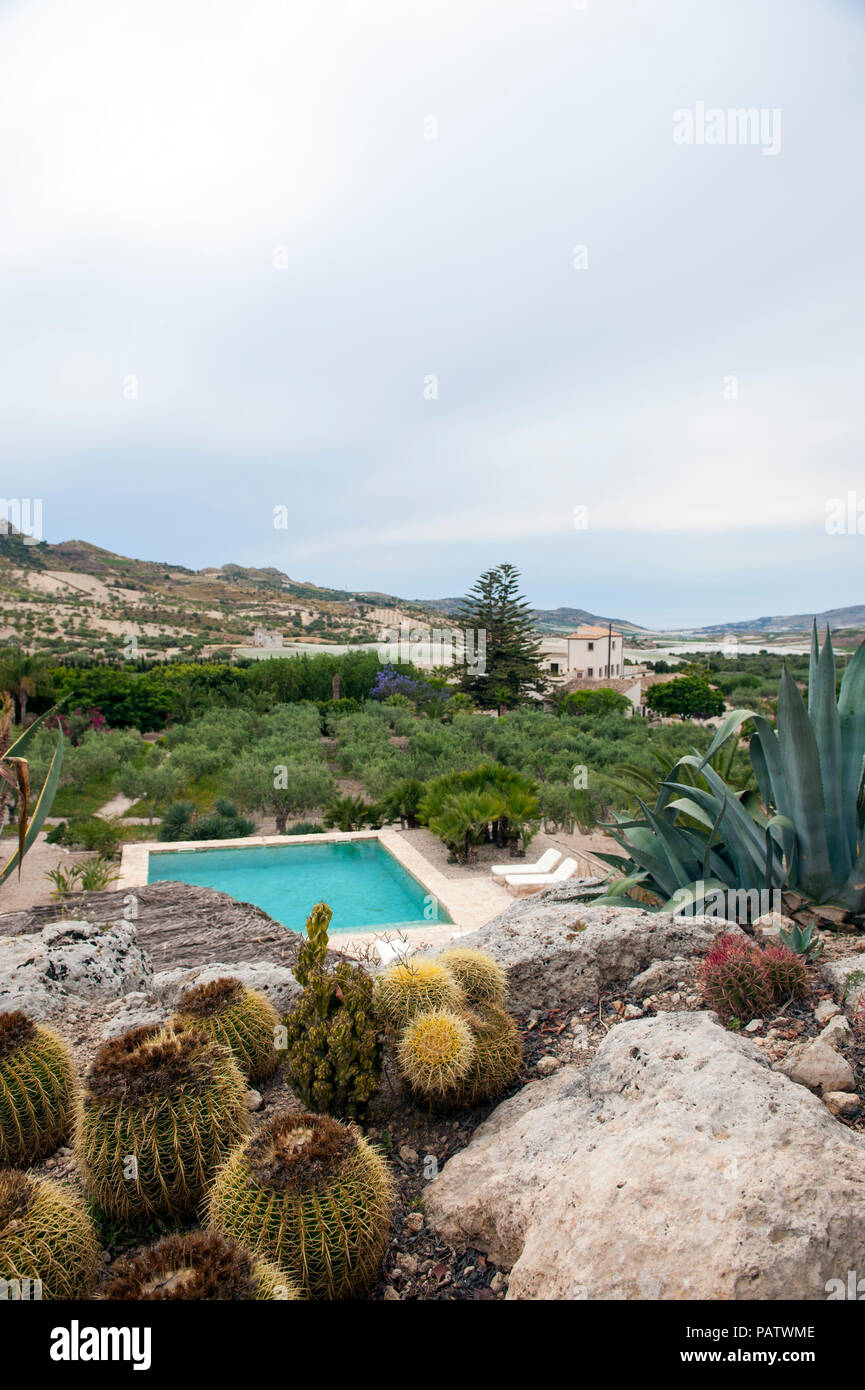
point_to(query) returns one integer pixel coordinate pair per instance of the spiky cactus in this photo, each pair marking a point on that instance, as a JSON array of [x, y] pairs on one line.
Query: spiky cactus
[[160, 1110], [498, 1056], [37, 1090], [240, 1019], [46, 1237], [733, 978], [413, 987], [312, 1195], [332, 1046], [786, 972], [204, 1266], [436, 1054], [481, 978]]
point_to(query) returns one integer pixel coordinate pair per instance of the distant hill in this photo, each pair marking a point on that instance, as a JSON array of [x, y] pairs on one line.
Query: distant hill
[[852, 617], [552, 620]]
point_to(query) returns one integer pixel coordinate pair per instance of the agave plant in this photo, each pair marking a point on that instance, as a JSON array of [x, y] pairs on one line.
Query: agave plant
[[801, 834], [15, 772]]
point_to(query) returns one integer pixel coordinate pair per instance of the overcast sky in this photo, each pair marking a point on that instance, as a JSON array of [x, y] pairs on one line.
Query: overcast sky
[[238, 241]]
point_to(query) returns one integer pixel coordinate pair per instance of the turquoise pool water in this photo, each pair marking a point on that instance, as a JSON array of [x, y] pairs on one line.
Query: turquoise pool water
[[363, 883]]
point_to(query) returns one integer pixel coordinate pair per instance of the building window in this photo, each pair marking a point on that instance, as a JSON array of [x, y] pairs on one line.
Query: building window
[[591, 671], [591, 646], [554, 668]]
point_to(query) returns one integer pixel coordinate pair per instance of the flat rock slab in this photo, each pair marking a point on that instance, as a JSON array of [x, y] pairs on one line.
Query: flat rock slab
[[179, 924], [563, 954], [675, 1165]]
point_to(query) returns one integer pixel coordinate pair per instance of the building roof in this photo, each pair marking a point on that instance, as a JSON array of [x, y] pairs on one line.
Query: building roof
[[592, 632]]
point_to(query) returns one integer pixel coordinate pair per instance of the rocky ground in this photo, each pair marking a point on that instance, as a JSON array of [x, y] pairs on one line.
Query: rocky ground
[[582, 978]]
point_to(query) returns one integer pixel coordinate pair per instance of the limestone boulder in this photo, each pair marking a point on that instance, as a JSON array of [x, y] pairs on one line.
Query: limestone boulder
[[276, 982], [562, 954], [46, 972], [677, 1164]]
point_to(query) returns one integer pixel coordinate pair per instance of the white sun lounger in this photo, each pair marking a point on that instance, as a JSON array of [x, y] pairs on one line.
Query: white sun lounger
[[548, 860], [519, 884]]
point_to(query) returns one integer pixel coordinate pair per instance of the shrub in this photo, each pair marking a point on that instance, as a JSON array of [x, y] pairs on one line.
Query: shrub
[[203, 1266], [46, 1237], [349, 813], [412, 987], [305, 827], [160, 1111], [37, 1090], [332, 1047], [312, 1195], [238, 1018]]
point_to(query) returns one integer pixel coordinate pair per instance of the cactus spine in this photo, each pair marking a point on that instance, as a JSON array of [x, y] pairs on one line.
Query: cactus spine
[[203, 1266], [238, 1018], [160, 1111], [311, 1195], [37, 1090], [46, 1238]]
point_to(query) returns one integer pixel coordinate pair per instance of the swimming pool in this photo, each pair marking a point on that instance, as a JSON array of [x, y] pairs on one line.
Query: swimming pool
[[365, 885]]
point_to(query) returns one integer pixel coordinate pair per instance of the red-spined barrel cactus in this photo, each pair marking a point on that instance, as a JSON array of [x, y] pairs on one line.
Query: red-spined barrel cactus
[[733, 978]]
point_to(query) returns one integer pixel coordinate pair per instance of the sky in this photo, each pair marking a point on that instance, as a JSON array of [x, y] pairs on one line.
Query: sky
[[452, 282]]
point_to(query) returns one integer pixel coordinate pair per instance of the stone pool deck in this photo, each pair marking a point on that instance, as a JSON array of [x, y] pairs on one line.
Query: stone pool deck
[[469, 902]]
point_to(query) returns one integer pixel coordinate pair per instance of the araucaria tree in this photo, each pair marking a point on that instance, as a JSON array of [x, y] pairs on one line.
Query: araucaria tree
[[502, 658]]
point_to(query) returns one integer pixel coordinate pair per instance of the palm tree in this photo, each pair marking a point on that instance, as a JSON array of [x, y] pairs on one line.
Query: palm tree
[[23, 675]]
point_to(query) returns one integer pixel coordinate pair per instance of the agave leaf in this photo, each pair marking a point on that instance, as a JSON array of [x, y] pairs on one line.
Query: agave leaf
[[692, 894], [40, 811], [825, 721], [807, 808], [851, 711], [18, 747], [813, 665]]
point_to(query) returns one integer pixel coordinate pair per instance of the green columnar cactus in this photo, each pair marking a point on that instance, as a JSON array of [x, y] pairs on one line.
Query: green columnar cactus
[[160, 1111], [238, 1018], [332, 1047], [481, 977], [203, 1266], [46, 1237], [312, 1195], [436, 1053], [37, 1090], [498, 1056], [414, 987]]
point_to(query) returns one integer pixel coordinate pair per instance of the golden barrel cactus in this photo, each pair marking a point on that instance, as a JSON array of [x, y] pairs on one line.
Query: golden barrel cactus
[[436, 1053], [482, 979], [37, 1090], [159, 1112], [415, 986], [238, 1018], [310, 1194], [204, 1266], [48, 1247]]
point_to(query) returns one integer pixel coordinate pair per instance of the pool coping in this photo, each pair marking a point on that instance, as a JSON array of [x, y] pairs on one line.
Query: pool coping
[[470, 903]]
